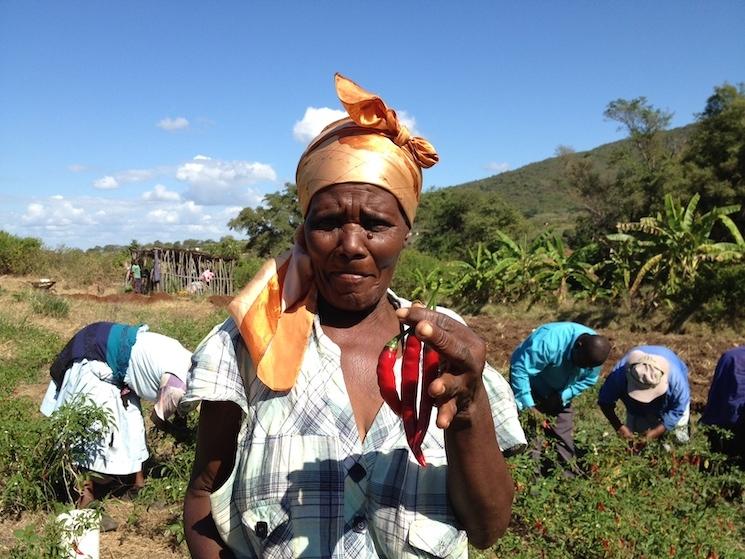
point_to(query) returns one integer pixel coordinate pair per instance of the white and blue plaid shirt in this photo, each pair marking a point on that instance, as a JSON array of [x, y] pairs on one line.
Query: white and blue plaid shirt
[[304, 485]]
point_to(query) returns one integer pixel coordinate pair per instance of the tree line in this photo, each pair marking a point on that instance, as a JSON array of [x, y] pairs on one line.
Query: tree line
[[660, 226]]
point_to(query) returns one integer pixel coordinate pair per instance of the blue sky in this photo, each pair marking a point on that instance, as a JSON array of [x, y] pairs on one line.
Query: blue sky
[[160, 120]]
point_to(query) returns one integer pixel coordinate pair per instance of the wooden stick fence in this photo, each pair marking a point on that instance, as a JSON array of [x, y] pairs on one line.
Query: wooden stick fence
[[180, 271]]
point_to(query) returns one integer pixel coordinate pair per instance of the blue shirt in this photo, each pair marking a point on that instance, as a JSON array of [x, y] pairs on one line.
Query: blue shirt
[[669, 407], [542, 365]]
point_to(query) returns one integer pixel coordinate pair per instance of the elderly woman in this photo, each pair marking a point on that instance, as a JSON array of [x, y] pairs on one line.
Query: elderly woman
[[297, 456]]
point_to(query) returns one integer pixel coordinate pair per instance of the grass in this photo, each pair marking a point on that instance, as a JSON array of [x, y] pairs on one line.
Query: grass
[[686, 503]]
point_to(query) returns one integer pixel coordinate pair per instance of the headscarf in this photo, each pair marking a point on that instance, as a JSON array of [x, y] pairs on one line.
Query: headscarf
[[274, 312], [370, 146]]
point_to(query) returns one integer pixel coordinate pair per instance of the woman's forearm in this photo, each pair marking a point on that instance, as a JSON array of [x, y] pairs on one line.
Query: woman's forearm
[[201, 534], [479, 485]]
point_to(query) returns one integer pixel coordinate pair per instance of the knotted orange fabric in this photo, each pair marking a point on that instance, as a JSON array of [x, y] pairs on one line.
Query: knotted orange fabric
[[371, 146], [275, 311]]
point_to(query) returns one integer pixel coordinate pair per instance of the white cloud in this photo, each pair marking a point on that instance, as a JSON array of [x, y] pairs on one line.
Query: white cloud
[[160, 193], [94, 220], [173, 124], [106, 183], [217, 182], [54, 214], [130, 175], [76, 168], [496, 168], [135, 175], [409, 121], [313, 121]]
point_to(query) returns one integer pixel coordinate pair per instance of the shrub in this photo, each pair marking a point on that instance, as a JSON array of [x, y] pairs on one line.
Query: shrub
[[42, 458], [245, 270], [85, 268], [412, 273], [19, 255]]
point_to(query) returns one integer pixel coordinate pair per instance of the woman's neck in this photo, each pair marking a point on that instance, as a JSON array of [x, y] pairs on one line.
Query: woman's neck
[[333, 317]]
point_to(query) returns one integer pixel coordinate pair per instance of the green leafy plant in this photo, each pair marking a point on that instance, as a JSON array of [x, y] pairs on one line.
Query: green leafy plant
[[49, 304]]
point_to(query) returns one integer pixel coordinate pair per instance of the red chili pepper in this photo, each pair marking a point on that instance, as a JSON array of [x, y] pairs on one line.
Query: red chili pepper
[[387, 376], [409, 385], [429, 373]]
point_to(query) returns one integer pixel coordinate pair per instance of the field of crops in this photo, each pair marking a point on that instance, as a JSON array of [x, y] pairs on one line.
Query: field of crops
[[684, 503]]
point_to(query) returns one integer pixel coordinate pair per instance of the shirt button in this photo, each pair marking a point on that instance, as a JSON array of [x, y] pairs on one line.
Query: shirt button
[[359, 524], [261, 529], [357, 472]]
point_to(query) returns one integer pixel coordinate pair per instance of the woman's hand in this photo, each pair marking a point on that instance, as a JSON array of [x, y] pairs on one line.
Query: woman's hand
[[479, 484], [462, 358]]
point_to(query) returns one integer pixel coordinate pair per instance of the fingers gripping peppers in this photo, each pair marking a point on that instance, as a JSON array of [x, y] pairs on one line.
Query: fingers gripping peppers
[[406, 406]]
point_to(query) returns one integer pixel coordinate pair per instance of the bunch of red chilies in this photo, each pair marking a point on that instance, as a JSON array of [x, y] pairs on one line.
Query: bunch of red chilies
[[415, 426]]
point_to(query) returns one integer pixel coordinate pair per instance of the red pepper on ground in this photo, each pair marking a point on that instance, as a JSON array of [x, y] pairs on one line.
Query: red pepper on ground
[[387, 376], [409, 385], [430, 371]]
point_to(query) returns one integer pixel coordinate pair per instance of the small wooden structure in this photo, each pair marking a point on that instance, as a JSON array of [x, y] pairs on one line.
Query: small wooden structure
[[181, 269]]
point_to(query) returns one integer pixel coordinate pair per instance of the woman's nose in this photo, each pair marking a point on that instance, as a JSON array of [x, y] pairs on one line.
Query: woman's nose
[[352, 239]]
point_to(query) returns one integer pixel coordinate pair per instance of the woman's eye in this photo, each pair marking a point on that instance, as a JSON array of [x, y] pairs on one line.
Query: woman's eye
[[326, 224], [375, 225]]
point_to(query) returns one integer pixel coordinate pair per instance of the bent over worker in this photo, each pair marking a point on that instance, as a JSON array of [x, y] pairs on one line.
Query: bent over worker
[[552, 366]]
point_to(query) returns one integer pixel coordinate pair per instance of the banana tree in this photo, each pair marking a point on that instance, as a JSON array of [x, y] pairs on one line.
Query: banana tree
[[561, 267], [674, 245], [477, 279], [518, 263]]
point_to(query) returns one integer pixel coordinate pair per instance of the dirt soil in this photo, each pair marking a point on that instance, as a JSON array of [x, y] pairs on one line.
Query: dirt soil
[[700, 351]]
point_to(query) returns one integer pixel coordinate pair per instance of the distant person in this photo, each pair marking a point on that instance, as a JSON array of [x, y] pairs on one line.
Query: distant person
[[552, 366], [145, 288], [136, 273], [207, 276], [116, 365], [725, 405], [652, 383]]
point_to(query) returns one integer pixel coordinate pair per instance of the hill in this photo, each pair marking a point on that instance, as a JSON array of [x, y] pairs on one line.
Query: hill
[[540, 191]]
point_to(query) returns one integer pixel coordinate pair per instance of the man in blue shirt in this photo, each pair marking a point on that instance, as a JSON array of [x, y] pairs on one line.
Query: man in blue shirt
[[652, 382], [557, 362]]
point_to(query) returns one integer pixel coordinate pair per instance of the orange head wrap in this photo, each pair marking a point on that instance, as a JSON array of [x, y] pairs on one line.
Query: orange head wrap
[[370, 146], [274, 312]]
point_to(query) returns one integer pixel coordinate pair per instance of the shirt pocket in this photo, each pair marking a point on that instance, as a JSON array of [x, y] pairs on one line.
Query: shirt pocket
[[432, 538], [291, 495], [266, 525]]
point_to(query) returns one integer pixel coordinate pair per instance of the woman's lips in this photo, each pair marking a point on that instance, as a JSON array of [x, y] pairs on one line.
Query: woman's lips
[[348, 277]]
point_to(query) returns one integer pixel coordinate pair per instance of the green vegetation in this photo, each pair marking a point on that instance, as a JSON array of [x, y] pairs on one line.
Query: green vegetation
[[18, 255], [685, 502]]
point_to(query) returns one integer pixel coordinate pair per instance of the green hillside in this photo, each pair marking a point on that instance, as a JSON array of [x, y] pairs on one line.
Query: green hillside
[[541, 193]]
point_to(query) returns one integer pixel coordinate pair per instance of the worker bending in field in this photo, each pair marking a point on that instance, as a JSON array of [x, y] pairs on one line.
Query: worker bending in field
[[114, 366], [652, 382], [554, 364], [725, 405]]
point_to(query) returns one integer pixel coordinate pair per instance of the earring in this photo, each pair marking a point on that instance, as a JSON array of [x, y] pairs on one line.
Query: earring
[[369, 235]]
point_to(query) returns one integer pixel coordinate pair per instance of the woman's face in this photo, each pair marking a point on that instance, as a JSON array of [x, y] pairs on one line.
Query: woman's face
[[354, 233]]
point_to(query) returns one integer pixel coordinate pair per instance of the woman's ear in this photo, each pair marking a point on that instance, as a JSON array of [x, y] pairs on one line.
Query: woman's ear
[[300, 237]]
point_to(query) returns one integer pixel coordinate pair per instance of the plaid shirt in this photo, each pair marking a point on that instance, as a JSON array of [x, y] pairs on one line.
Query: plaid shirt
[[304, 485]]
